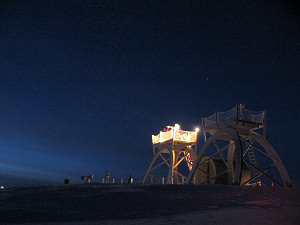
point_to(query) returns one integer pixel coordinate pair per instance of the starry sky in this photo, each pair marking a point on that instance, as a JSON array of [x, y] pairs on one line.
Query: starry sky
[[84, 84]]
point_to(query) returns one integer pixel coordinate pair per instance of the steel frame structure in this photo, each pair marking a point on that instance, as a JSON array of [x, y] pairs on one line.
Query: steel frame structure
[[170, 149], [244, 144]]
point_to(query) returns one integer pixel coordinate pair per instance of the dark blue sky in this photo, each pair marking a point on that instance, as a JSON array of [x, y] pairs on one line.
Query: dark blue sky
[[84, 84]]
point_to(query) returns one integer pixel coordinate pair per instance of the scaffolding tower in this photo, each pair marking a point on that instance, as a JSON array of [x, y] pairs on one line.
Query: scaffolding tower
[[171, 148], [236, 151]]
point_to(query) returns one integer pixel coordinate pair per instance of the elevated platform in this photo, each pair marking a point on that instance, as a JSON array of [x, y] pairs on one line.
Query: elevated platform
[[174, 135], [238, 118], [235, 151], [174, 149]]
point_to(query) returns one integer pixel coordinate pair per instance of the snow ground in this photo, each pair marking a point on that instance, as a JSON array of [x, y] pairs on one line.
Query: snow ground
[[251, 216], [99, 204]]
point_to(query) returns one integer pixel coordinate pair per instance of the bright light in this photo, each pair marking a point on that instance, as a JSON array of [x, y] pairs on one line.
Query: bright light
[[177, 126], [197, 129], [2, 187], [175, 133]]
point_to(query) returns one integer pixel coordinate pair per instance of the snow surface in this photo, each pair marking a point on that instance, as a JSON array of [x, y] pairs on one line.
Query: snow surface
[[159, 204]]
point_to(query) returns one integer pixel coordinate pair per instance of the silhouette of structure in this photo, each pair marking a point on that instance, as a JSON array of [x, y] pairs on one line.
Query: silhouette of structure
[[106, 180], [87, 179], [235, 151]]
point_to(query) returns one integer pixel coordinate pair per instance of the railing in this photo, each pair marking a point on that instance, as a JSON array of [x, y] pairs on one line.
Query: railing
[[177, 135], [166, 135], [234, 115], [155, 139], [185, 136]]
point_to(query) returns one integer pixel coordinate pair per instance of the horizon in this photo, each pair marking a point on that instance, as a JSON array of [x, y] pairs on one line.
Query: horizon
[[84, 85]]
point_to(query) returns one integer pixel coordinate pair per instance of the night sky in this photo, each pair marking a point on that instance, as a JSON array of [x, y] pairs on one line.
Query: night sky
[[84, 84]]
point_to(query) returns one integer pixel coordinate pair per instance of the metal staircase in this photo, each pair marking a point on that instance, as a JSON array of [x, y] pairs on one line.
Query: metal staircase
[[254, 172]]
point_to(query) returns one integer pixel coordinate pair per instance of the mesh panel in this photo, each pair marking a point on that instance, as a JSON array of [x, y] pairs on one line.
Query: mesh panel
[[231, 116], [185, 136], [210, 121], [179, 135], [227, 116], [155, 139], [192, 137], [166, 136], [251, 116]]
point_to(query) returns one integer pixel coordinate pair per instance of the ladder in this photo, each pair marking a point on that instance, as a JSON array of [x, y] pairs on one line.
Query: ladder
[[254, 171]]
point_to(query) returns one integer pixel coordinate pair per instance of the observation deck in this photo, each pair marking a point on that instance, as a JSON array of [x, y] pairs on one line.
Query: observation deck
[[237, 118], [174, 134]]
